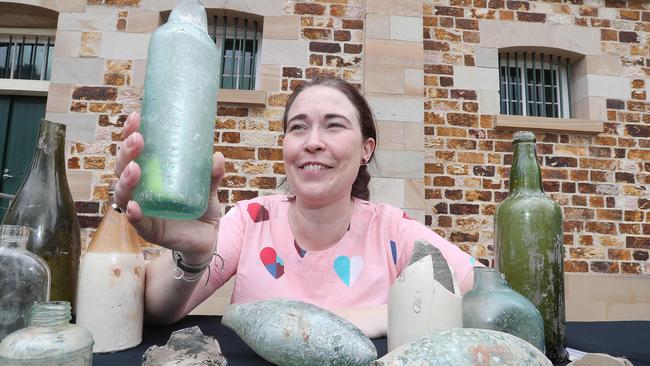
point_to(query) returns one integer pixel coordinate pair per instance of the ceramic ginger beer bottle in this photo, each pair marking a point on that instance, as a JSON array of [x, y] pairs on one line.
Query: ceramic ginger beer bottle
[[110, 301]]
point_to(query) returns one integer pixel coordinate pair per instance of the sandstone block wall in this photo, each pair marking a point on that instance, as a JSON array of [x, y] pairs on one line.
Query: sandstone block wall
[[429, 69]]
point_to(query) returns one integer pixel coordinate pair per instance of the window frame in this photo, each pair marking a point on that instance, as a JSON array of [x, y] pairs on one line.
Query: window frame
[[16, 40], [523, 87], [249, 25]]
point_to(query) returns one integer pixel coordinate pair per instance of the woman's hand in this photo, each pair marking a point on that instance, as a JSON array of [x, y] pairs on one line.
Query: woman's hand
[[193, 238]]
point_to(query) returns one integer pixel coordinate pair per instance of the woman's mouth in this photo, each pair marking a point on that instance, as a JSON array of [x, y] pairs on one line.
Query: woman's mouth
[[314, 167]]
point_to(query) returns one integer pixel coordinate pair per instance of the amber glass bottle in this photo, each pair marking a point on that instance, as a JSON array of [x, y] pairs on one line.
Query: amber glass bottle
[[44, 204], [110, 300], [529, 247]]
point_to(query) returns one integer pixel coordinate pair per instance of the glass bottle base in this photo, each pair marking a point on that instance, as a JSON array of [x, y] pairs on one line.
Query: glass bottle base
[[171, 210]]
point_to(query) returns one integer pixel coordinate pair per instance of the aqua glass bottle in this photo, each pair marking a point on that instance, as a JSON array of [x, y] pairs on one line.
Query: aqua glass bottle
[[492, 304], [529, 245], [49, 339], [178, 116], [24, 279], [44, 203]]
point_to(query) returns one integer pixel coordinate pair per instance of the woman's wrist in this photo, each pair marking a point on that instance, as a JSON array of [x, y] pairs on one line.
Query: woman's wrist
[[196, 258]]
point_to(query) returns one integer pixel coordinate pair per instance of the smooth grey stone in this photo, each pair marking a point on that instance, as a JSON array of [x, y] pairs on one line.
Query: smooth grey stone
[[465, 346], [290, 332]]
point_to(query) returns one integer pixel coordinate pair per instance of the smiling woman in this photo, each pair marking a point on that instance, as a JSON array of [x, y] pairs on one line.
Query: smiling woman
[[351, 111], [324, 244]]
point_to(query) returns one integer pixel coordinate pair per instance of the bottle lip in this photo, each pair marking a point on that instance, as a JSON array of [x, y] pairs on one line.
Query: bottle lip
[[485, 269], [50, 313], [14, 234], [523, 136]]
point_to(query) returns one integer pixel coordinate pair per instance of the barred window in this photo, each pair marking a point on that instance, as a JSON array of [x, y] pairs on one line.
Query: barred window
[[26, 57], [534, 84], [238, 40], [238, 37]]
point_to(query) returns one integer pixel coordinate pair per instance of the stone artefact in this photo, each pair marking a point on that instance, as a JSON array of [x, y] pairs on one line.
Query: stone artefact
[[600, 359], [462, 346], [186, 347], [289, 332]]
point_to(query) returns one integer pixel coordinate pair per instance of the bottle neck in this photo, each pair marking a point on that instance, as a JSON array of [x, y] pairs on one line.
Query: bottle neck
[[115, 235], [51, 145], [525, 174], [14, 236], [50, 151], [50, 313], [488, 278], [190, 12]]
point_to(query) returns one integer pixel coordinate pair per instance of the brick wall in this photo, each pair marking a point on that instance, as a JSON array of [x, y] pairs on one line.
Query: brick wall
[[601, 181]]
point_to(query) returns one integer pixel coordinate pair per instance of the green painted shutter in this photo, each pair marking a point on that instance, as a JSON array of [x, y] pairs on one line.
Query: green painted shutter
[[20, 117]]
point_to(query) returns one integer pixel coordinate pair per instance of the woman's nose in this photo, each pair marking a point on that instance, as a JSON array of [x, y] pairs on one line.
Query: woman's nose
[[314, 140]]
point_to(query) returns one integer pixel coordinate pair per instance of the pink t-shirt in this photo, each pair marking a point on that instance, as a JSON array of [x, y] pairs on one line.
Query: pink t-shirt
[[257, 244]]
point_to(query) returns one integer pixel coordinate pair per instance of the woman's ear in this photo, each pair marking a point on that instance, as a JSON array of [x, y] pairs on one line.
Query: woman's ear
[[368, 149]]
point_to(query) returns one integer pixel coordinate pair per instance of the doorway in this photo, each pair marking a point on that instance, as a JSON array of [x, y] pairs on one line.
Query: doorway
[[20, 118]]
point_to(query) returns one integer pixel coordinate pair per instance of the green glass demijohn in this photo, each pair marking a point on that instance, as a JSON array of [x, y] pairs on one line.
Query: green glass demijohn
[[492, 304], [178, 116], [44, 203], [529, 246]]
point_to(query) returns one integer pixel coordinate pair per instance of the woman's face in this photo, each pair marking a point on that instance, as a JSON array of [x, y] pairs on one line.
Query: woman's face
[[323, 146]]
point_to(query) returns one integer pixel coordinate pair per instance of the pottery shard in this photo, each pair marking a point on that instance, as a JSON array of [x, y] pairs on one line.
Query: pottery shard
[[441, 271], [186, 347]]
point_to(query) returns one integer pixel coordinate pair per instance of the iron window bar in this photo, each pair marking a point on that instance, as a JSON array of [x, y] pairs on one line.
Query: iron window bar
[[25, 57], [6, 196], [560, 86], [568, 85]]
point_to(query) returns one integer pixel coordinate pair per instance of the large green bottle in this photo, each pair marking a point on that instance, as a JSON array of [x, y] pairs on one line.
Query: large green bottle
[[44, 204], [178, 116], [529, 245]]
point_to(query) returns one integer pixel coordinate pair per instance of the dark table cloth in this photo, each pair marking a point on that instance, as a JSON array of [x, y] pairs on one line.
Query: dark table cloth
[[623, 339]]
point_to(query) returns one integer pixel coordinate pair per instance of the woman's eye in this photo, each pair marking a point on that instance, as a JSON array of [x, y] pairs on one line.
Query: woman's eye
[[296, 127], [335, 125]]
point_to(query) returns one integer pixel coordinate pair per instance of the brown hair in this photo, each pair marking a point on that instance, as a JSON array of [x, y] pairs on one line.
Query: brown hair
[[366, 120]]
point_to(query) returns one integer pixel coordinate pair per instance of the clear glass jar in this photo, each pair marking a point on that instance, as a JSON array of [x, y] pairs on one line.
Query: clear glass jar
[[24, 279], [49, 339]]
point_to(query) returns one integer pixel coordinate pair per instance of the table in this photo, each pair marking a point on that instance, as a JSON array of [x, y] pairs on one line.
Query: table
[[629, 339]]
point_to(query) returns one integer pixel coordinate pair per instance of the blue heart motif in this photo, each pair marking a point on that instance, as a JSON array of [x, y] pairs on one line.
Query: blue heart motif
[[348, 269]]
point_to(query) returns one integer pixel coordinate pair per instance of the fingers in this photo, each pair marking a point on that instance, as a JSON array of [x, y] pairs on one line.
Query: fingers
[[213, 212], [133, 143], [126, 184], [218, 171], [195, 238]]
